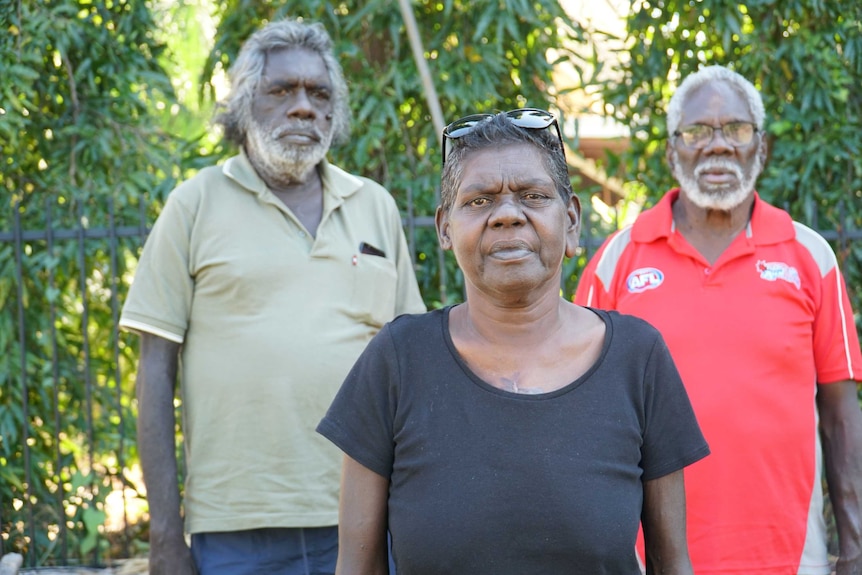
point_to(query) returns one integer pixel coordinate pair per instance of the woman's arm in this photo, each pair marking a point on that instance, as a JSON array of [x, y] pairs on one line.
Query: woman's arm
[[362, 521], [663, 520]]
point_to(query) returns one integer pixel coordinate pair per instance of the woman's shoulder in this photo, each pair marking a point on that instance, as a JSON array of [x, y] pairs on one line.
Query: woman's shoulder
[[627, 324], [413, 320], [411, 339], [416, 327]]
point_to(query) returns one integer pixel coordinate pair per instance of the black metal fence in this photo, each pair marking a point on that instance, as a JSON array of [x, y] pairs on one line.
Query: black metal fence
[[70, 490], [66, 417]]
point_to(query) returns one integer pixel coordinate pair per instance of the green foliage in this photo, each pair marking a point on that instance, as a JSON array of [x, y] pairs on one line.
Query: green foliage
[[82, 149], [483, 55], [805, 56], [105, 105]]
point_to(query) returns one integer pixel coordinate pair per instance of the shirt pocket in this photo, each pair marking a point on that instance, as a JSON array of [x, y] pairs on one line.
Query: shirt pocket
[[375, 282]]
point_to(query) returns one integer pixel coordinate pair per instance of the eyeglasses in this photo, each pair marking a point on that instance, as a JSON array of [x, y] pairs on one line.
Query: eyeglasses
[[698, 136], [530, 118]]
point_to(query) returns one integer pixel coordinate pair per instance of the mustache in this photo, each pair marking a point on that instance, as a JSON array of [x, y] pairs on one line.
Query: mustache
[[295, 127], [718, 163]]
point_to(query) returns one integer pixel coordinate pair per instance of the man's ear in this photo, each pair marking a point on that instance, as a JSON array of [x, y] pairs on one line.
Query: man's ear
[[668, 154], [441, 222], [573, 230], [763, 150]]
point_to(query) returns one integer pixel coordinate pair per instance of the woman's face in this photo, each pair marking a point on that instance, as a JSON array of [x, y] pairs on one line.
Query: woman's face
[[508, 226]]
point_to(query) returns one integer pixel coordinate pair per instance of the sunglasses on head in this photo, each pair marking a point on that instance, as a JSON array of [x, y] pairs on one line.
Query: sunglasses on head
[[530, 118]]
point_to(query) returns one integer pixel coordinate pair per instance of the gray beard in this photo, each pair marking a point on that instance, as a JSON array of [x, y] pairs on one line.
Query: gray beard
[[283, 163], [721, 198]]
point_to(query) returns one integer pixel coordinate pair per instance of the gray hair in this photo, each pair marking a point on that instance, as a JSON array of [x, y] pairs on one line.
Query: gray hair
[[246, 72], [714, 74], [497, 131]]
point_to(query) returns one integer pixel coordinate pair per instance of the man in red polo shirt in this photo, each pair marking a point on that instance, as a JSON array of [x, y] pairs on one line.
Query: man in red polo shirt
[[757, 318]]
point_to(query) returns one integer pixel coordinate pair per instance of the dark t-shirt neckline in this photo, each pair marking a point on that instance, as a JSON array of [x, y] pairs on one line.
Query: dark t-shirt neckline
[[484, 385]]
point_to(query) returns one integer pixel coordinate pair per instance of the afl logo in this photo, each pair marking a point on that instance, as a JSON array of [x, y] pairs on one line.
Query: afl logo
[[643, 279]]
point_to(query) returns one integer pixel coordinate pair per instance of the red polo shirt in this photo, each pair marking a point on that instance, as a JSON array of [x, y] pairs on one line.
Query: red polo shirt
[[751, 335]]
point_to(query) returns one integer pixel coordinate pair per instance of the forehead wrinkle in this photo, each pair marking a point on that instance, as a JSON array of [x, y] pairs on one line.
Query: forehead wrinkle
[[721, 120], [299, 61], [481, 186], [512, 182], [531, 181], [714, 102], [293, 80]]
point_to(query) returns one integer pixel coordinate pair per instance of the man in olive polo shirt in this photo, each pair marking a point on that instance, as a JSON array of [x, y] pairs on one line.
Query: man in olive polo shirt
[[266, 276]]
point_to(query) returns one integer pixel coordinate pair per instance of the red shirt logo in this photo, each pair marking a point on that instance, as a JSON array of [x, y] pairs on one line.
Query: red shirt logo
[[643, 279]]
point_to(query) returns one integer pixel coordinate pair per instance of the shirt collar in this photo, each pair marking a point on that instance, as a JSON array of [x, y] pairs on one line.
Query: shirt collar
[[336, 182], [768, 224]]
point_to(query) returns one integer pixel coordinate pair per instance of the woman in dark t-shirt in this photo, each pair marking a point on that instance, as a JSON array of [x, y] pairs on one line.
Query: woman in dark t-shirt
[[515, 432]]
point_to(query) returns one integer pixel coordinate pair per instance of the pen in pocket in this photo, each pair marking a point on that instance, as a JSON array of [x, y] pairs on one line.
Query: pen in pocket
[[366, 248]]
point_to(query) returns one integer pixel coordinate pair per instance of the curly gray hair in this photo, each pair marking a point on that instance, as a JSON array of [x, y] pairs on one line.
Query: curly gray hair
[[246, 72]]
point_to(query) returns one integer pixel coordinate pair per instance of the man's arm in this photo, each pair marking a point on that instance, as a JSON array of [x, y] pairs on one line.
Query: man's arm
[[841, 434], [156, 383], [663, 522], [362, 521]]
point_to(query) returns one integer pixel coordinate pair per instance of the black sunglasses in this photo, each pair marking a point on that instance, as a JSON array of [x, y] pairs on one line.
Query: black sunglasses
[[530, 118]]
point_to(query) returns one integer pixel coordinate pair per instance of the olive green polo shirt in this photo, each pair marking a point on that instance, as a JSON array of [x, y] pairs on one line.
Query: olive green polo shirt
[[271, 320]]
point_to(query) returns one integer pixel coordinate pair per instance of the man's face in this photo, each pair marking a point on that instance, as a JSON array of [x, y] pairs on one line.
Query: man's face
[[291, 113], [507, 225], [719, 176]]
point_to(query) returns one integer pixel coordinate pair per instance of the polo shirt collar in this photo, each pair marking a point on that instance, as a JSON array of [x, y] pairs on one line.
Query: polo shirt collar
[[239, 169], [768, 224], [336, 182]]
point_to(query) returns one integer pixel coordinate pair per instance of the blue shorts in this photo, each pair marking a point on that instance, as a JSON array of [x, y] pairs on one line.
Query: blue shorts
[[274, 551]]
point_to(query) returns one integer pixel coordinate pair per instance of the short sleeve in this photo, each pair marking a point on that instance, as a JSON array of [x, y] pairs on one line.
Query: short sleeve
[[360, 419], [672, 437], [836, 343], [160, 297]]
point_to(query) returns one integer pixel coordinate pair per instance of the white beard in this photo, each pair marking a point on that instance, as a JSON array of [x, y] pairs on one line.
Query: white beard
[[721, 198], [280, 162]]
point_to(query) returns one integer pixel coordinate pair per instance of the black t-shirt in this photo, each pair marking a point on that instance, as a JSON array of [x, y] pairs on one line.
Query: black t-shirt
[[485, 481]]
